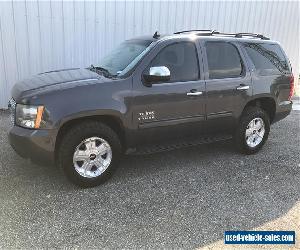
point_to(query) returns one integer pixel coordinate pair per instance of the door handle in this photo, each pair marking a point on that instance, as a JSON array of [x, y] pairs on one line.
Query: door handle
[[243, 87], [196, 93]]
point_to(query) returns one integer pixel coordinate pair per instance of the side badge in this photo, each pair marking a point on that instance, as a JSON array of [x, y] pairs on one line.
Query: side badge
[[147, 115]]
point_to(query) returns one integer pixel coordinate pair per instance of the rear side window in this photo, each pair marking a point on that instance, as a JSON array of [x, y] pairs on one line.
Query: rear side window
[[181, 59], [224, 60], [268, 59]]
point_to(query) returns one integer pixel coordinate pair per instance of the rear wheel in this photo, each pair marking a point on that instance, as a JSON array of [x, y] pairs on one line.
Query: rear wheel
[[253, 130], [89, 153]]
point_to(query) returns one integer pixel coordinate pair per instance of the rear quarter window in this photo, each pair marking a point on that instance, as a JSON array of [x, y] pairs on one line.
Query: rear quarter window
[[268, 59]]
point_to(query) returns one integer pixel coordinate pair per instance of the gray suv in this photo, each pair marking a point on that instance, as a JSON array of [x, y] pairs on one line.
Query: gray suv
[[150, 94]]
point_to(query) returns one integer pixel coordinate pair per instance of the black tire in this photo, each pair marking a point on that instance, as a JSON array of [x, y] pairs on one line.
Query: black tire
[[248, 115], [73, 137]]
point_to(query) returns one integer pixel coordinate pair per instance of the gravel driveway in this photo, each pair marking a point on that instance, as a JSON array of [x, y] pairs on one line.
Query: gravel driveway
[[185, 198]]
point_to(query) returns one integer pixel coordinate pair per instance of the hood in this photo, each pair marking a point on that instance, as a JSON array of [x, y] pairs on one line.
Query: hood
[[53, 78]]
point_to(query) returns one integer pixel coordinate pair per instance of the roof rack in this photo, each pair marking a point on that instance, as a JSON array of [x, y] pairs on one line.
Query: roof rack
[[239, 35], [214, 32], [187, 31]]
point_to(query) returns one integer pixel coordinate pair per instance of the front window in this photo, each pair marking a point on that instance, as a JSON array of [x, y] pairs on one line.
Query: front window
[[181, 59], [124, 57]]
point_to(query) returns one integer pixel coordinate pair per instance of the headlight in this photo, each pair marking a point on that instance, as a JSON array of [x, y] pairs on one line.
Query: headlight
[[29, 116]]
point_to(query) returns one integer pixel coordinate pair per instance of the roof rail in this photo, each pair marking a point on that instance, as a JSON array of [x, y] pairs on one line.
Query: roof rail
[[240, 35], [214, 32], [187, 31]]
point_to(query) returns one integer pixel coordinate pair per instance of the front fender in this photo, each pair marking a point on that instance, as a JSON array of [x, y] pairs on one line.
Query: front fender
[[108, 98]]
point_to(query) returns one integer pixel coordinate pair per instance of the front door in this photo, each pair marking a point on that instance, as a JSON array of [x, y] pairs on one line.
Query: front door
[[175, 108]]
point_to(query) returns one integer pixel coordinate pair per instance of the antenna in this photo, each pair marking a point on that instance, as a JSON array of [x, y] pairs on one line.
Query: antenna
[[156, 35]]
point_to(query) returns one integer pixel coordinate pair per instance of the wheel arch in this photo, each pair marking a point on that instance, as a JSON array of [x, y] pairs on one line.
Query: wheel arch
[[267, 103], [111, 121]]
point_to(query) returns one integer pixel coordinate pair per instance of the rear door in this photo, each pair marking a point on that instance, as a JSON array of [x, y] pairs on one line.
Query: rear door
[[175, 108], [228, 83]]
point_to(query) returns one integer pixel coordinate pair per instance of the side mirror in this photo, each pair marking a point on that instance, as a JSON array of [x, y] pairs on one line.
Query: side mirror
[[157, 74]]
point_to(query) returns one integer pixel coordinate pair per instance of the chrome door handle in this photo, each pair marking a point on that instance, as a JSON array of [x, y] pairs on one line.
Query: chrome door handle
[[243, 87], [194, 93]]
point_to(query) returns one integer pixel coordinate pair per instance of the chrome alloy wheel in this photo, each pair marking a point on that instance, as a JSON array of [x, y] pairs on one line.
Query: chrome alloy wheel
[[92, 157], [255, 132]]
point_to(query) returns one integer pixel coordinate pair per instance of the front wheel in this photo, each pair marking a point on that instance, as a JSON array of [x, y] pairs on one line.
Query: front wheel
[[253, 130], [89, 153]]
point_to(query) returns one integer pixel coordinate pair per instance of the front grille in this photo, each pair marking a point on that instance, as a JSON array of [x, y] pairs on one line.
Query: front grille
[[12, 109]]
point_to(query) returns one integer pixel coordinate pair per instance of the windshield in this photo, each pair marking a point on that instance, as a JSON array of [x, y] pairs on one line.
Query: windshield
[[125, 56]]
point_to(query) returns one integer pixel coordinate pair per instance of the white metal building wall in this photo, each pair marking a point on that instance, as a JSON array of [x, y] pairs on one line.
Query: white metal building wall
[[37, 36]]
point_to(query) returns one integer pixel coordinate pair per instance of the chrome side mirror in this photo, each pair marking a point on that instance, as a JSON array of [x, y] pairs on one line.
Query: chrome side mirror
[[157, 74]]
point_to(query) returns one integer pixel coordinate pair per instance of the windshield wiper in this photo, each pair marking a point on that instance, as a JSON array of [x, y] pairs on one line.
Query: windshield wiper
[[102, 70]]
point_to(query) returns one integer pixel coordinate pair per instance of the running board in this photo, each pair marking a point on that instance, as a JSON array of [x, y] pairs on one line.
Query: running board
[[151, 149]]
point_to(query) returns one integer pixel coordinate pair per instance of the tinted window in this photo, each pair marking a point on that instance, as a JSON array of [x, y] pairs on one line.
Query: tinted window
[[181, 59], [224, 60], [268, 59]]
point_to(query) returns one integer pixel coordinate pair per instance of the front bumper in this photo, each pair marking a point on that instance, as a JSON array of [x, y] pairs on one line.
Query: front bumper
[[38, 145]]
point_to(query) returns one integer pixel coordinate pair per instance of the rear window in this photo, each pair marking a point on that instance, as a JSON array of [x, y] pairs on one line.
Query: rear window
[[224, 60], [268, 59]]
